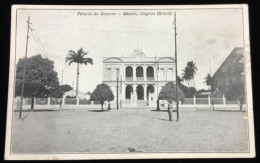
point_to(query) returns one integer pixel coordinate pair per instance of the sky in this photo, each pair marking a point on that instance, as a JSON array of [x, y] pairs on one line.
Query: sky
[[202, 35]]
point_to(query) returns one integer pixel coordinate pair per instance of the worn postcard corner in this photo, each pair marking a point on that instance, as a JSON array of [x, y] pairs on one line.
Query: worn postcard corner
[[129, 82]]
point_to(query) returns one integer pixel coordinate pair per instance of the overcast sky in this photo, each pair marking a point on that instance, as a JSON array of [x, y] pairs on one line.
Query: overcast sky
[[202, 35]]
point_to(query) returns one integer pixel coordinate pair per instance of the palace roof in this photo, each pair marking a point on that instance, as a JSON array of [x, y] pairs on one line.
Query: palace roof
[[138, 56]]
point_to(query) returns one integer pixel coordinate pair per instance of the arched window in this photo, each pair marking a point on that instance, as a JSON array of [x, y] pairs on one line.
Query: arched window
[[140, 92], [150, 71], [139, 71], [129, 71], [150, 89], [128, 91]]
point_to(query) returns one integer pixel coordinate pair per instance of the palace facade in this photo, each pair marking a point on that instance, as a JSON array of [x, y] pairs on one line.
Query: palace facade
[[138, 76]]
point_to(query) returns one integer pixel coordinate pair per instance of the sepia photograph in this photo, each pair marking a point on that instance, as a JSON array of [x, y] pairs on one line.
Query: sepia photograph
[[129, 82]]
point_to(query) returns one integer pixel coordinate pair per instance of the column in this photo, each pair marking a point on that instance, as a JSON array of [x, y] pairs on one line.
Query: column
[[156, 92], [224, 100], [144, 67], [166, 74], [63, 100], [209, 99], [155, 73], [78, 101], [194, 100], [123, 91], [134, 89], [34, 101], [145, 98], [134, 73], [48, 100]]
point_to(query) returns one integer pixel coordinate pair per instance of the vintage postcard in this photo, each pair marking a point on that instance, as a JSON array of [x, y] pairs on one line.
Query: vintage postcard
[[129, 82]]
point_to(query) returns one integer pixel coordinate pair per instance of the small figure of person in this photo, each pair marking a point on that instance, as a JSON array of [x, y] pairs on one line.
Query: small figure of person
[[18, 104], [109, 106]]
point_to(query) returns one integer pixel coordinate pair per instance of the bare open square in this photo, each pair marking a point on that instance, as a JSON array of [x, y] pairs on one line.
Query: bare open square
[[129, 130]]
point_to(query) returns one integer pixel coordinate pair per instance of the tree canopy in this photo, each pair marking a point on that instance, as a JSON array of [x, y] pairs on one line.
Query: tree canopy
[[78, 57], [66, 88], [209, 81], [189, 71], [102, 93], [40, 78], [189, 92], [168, 92]]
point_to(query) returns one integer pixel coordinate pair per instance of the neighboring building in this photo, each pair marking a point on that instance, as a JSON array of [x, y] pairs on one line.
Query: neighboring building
[[72, 93], [138, 75], [231, 71]]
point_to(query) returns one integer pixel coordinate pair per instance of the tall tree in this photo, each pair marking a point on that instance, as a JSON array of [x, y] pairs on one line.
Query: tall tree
[[209, 81], [186, 75], [79, 58], [189, 72], [66, 88], [41, 79], [102, 93], [168, 92], [192, 68], [179, 79]]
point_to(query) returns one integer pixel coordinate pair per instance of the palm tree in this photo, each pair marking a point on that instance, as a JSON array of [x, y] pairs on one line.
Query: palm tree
[[186, 75], [208, 80], [189, 71], [192, 68], [78, 58]]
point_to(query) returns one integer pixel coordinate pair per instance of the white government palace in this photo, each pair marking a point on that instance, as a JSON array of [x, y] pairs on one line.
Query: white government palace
[[140, 78]]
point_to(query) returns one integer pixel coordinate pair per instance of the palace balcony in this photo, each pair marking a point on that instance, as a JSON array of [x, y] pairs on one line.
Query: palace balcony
[[150, 78], [129, 78], [139, 78]]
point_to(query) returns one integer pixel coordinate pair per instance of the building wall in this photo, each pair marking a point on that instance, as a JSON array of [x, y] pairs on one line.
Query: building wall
[[164, 68], [231, 72]]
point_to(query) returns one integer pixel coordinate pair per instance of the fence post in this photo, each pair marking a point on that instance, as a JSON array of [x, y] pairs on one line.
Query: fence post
[[63, 101], [78, 101], [209, 99], [48, 99], [92, 102], [194, 100], [34, 101], [224, 100]]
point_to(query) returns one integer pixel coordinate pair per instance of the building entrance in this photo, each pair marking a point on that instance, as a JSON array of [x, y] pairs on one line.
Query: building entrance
[[140, 92]]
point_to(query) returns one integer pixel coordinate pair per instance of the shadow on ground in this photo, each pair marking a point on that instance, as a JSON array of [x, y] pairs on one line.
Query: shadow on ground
[[98, 110], [230, 110], [152, 117], [163, 110]]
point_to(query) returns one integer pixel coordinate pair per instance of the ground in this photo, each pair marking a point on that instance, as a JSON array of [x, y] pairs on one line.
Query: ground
[[129, 130]]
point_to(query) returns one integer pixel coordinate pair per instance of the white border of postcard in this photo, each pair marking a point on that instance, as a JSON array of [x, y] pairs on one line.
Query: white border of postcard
[[9, 156]]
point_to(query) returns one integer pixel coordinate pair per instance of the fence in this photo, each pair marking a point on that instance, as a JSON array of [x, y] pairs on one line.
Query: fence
[[58, 101], [84, 102], [41, 101], [55, 101], [202, 101], [187, 101], [74, 101], [208, 101]]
